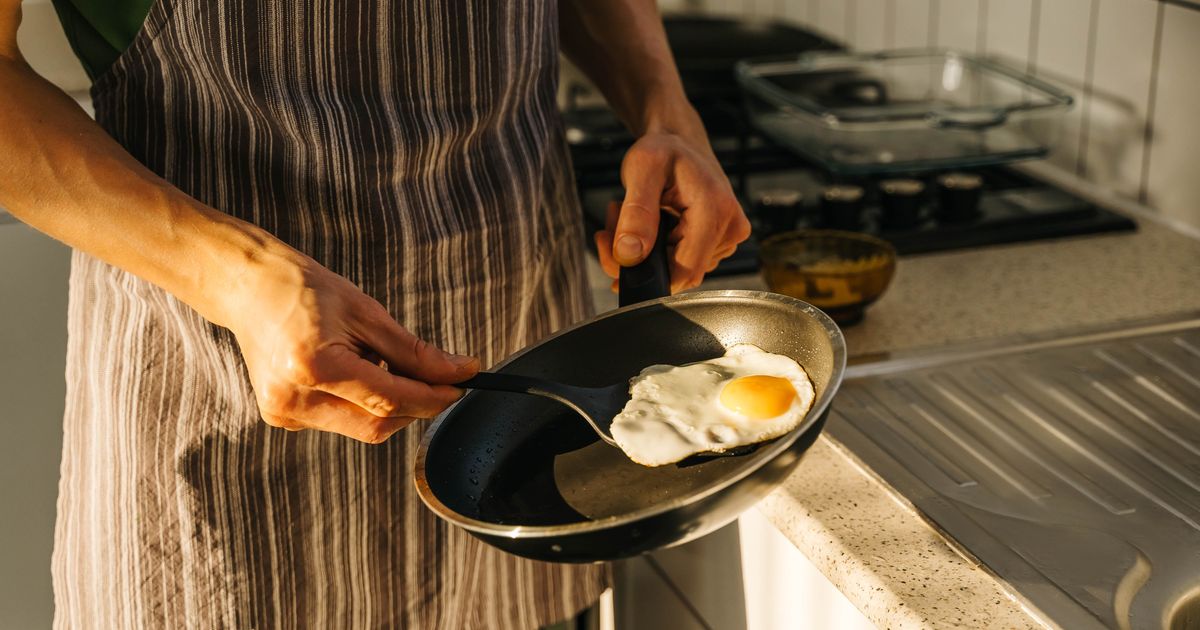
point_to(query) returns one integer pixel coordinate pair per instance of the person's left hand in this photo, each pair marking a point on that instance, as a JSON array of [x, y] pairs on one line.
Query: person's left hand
[[678, 172]]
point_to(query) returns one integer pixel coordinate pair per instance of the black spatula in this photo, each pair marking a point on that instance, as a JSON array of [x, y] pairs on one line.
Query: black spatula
[[597, 405]]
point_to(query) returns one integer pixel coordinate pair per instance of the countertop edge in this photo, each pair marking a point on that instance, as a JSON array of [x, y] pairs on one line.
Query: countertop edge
[[925, 582]]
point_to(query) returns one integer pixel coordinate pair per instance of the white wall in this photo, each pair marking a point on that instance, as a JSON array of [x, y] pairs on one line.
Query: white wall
[[45, 47], [1134, 63], [33, 340]]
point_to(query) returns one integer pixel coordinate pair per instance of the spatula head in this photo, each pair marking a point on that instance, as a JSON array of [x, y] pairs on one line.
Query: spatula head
[[599, 405]]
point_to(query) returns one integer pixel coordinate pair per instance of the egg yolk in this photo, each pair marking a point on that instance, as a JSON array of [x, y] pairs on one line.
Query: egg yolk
[[758, 397]]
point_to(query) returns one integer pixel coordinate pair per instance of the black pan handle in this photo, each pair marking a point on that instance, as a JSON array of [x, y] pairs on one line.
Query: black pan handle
[[651, 278]]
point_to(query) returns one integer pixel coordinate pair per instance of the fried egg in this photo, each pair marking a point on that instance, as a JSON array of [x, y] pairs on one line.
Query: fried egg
[[747, 396]]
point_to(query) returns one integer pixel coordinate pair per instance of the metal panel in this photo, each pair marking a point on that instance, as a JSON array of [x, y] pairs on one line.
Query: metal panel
[[1070, 467]]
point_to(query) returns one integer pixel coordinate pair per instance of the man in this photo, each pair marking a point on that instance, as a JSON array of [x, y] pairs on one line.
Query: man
[[275, 197]]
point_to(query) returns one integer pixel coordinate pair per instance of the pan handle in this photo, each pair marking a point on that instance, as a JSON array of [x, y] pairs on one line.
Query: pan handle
[[651, 278]]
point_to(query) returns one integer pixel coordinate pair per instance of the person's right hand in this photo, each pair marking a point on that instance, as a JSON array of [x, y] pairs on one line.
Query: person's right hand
[[313, 341]]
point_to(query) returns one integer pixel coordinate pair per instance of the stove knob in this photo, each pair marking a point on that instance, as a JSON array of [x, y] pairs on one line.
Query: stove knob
[[777, 211], [901, 202], [958, 197], [842, 207]]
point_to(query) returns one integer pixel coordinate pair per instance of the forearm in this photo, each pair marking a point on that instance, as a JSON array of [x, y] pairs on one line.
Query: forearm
[[621, 46], [63, 175]]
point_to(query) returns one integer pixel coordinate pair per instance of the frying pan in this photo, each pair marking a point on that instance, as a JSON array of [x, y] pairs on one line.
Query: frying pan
[[529, 476]]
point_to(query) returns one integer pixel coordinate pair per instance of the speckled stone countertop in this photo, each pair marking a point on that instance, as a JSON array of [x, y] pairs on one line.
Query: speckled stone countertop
[[875, 548], [867, 539], [944, 299]]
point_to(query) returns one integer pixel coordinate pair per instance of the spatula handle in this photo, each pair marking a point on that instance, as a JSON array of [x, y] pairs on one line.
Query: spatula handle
[[515, 383], [581, 399]]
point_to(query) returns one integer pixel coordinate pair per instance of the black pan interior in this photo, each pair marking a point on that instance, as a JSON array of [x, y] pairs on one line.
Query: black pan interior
[[520, 460]]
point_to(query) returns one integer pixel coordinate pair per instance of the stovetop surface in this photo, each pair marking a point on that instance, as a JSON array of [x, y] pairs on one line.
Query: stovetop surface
[[1014, 207]]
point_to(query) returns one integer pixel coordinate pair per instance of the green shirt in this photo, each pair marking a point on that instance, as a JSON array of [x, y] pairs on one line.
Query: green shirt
[[100, 30]]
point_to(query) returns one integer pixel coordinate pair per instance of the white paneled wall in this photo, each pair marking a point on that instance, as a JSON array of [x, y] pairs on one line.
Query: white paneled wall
[[1120, 95], [873, 29], [1007, 31], [910, 28], [1173, 167], [958, 25], [1134, 65], [1063, 43]]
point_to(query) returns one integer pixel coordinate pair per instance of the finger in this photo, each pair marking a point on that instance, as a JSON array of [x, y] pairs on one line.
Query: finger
[[327, 412], [280, 422], [700, 233], [408, 354], [738, 229], [377, 391], [604, 249], [611, 212], [644, 175], [725, 251], [721, 254], [604, 240]]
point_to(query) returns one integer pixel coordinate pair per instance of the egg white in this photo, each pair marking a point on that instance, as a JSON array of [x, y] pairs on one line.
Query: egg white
[[675, 411]]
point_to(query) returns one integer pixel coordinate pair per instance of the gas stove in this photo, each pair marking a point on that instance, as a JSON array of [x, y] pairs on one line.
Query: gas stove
[[916, 212]]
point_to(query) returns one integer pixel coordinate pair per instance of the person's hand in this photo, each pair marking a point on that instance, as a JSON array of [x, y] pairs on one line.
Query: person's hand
[[679, 172], [313, 343]]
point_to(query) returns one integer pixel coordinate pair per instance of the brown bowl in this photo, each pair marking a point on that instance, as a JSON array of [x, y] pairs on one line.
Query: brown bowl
[[838, 272]]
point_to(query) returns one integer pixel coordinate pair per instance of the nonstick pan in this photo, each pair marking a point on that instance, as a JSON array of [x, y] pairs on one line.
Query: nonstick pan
[[529, 476]]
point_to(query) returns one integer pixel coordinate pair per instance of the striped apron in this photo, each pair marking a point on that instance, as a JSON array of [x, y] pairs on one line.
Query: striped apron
[[412, 146]]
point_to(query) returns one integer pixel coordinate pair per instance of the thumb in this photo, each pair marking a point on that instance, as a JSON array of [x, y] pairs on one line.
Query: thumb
[[438, 367], [408, 355], [637, 223], [637, 229]]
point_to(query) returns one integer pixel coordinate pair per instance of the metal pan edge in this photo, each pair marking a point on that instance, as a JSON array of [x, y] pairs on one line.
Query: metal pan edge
[[781, 444]]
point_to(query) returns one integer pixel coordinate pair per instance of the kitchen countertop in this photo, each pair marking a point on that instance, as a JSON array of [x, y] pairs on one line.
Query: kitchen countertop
[[868, 540], [1005, 291]]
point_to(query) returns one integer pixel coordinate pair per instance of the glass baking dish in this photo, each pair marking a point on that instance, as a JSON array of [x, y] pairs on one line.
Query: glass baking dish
[[903, 110]]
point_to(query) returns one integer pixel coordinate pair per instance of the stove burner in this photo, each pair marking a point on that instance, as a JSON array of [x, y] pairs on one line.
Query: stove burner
[[777, 211], [842, 207], [900, 203], [958, 197]]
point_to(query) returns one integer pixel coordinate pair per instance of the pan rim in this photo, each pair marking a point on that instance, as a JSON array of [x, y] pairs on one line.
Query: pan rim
[[819, 408]]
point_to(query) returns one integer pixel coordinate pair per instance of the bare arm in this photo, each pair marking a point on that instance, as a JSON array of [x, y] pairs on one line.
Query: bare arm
[[620, 44], [310, 329], [63, 175]]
